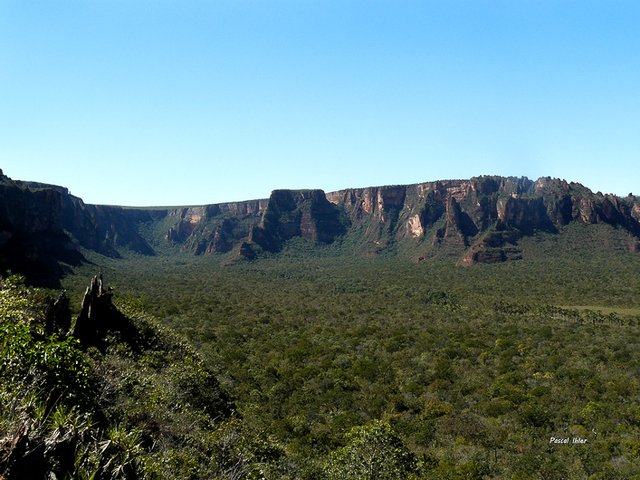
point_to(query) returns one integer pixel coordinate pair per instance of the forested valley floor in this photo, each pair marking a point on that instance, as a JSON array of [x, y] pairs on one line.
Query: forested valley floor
[[348, 365]]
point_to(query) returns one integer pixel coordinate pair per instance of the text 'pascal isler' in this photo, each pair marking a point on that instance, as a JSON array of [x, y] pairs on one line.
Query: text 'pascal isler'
[[568, 440]]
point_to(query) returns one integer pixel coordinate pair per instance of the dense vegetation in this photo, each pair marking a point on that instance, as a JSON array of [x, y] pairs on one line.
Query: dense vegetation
[[354, 345], [376, 367], [143, 409]]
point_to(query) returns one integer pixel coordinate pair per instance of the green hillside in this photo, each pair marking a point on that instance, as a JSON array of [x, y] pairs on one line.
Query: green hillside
[[138, 405]]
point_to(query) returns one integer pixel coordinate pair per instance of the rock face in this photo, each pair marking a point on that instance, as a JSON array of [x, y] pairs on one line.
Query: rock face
[[290, 214], [214, 228], [42, 227], [257, 226], [32, 235], [106, 229], [99, 316], [477, 220], [481, 219]]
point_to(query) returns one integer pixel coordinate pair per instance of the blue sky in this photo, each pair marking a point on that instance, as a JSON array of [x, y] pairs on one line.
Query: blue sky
[[168, 102]]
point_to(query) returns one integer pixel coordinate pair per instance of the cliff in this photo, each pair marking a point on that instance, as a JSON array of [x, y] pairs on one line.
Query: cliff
[[214, 228], [477, 220], [44, 227], [290, 214]]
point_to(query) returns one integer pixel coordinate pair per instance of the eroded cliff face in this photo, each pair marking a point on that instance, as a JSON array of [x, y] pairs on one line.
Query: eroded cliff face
[[288, 214], [32, 237], [214, 228], [43, 228], [481, 219]]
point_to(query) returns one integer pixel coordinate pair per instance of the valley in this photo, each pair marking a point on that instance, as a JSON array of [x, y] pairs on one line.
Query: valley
[[474, 368], [442, 335]]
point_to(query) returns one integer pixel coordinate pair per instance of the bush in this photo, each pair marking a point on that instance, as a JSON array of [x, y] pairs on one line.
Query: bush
[[372, 452]]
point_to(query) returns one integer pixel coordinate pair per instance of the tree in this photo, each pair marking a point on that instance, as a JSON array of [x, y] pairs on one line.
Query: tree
[[373, 451]]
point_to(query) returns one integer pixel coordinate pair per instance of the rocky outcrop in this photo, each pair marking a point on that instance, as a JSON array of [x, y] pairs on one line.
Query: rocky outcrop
[[256, 226], [481, 219], [33, 240], [99, 316], [493, 247], [214, 228], [289, 214], [43, 229], [459, 226], [106, 229], [523, 214]]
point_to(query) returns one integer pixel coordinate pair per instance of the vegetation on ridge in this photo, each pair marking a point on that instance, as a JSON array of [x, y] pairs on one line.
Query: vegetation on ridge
[[71, 410]]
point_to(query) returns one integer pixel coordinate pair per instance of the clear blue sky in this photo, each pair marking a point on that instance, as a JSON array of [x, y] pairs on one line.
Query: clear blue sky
[[165, 102]]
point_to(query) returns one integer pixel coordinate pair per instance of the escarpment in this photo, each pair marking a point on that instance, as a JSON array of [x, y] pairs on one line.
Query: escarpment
[[43, 228], [213, 228]]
